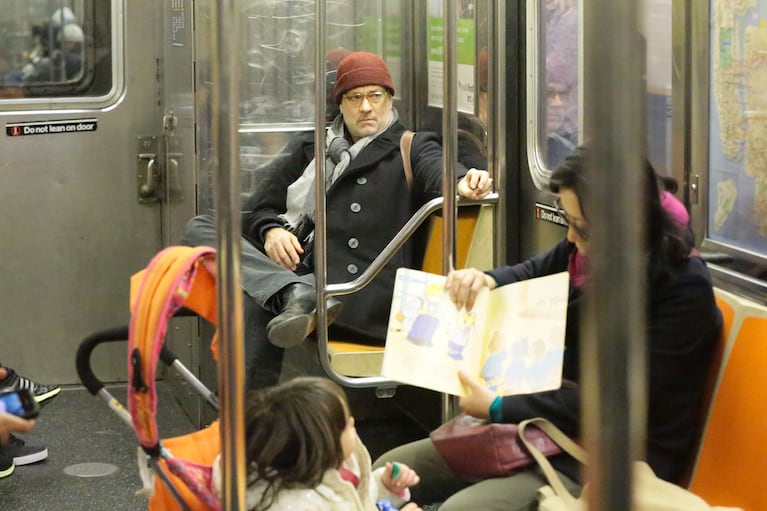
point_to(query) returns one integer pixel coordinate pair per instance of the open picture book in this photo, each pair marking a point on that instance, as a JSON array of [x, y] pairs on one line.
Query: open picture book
[[512, 340]]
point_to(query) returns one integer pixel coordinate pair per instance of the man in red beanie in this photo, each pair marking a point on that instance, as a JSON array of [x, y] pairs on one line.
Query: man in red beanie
[[369, 199]]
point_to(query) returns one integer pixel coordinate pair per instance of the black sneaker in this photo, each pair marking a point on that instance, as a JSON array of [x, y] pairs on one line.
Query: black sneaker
[[21, 453], [42, 393], [6, 464]]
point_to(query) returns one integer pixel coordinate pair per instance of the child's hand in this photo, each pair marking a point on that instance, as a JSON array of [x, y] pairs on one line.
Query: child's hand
[[411, 506], [398, 477]]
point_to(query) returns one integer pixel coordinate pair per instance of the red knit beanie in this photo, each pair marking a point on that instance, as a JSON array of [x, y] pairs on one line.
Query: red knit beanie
[[361, 68]]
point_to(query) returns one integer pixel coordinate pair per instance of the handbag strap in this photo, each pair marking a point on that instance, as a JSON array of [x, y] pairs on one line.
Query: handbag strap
[[567, 445], [404, 147]]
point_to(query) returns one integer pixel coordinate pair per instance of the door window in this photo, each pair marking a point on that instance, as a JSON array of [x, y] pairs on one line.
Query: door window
[[55, 48]]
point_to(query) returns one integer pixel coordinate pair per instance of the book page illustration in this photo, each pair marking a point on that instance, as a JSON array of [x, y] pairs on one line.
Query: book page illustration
[[525, 339], [428, 339], [512, 341]]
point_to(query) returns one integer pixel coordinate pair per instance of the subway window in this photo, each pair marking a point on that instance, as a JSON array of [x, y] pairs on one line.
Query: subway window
[[554, 107], [553, 99], [657, 30], [560, 126], [277, 80], [55, 48]]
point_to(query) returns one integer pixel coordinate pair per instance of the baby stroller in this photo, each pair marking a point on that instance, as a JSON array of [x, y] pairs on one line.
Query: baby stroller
[[177, 280]]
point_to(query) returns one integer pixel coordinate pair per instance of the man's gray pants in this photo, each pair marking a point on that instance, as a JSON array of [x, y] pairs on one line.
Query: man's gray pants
[[261, 277]]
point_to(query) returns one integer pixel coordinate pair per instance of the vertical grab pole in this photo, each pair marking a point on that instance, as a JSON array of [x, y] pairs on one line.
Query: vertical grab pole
[[613, 356], [496, 118], [449, 152], [231, 369], [320, 220]]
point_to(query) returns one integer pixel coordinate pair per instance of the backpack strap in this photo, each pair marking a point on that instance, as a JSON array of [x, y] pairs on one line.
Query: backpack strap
[[404, 147]]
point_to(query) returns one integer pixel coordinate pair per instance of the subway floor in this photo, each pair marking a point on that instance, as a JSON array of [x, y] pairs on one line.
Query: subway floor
[[92, 458]]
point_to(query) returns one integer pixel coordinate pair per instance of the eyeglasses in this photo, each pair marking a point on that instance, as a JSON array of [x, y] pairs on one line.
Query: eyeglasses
[[557, 92], [374, 97], [582, 232]]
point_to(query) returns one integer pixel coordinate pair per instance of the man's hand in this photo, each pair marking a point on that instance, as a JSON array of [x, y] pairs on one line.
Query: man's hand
[[13, 424], [283, 247], [463, 286], [477, 402], [475, 184]]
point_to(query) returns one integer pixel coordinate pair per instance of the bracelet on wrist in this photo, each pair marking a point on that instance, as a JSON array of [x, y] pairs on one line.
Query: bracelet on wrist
[[496, 409]]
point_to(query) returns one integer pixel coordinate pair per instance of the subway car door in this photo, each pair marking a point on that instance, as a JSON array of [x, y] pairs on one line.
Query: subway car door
[[84, 190], [177, 145]]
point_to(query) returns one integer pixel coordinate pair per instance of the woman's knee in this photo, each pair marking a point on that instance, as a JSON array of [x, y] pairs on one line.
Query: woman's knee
[[517, 492], [408, 454]]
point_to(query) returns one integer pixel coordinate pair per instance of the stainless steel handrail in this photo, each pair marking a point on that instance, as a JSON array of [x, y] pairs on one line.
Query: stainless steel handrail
[[368, 275], [396, 243]]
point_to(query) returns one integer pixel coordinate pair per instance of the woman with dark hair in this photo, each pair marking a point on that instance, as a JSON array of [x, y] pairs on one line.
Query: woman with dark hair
[[683, 323]]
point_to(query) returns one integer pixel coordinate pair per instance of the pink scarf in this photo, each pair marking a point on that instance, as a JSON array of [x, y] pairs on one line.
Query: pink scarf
[[576, 267]]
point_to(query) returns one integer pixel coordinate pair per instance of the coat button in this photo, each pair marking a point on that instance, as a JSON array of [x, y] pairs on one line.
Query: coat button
[[352, 268], [362, 180], [355, 207], [354, 243]]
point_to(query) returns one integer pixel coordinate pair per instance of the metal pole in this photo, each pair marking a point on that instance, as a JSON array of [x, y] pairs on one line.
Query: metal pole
[[231, 369], [320, 220], [449, 151], [496, 118], [613, 358]]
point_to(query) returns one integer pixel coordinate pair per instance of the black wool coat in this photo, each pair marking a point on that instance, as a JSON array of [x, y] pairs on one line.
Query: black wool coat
[[366, 207]]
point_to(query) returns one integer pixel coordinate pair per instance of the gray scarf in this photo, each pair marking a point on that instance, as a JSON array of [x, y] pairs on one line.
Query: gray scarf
[[339, 154]]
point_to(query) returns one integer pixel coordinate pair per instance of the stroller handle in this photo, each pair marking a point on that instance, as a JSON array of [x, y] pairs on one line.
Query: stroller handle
[[83, 359]]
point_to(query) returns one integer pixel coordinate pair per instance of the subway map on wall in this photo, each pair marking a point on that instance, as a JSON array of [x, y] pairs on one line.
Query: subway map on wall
[[738, 130]]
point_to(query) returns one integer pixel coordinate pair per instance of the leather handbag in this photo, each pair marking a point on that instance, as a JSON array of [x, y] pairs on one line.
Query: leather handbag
[[475, 449], [651, 493]]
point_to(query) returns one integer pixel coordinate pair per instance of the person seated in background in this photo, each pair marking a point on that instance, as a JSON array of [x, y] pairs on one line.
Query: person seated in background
[[57, 54], [39, 66], [8, 75], [69, 54], [302, 452], [13, 450], [682, 325], [561, 106], [369, 199]]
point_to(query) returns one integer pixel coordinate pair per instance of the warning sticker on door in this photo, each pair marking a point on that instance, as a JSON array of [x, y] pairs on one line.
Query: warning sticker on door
[[51, 127]]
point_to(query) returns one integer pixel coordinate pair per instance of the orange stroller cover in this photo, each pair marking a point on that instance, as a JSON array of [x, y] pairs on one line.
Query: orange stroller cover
[[200, 447], [176, 277]]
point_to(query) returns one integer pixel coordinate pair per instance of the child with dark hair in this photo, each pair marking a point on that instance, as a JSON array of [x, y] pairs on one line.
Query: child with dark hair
[[303, 453]]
